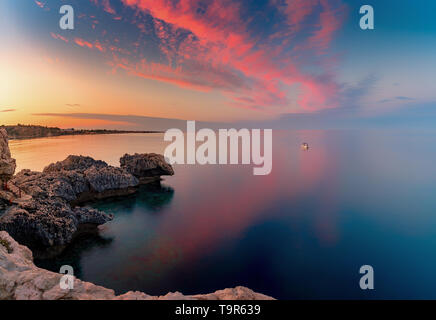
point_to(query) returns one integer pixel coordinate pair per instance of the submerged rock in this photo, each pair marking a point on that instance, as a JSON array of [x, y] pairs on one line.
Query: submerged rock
[[7, 163], [144, 166], [20, 279]]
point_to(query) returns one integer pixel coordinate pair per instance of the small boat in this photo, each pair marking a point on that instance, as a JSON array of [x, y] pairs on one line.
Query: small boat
[[304, 146]]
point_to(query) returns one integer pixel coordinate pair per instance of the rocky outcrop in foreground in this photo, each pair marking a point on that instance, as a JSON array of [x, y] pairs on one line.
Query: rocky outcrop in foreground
[[7, 164], [44, 210], [20, 279]]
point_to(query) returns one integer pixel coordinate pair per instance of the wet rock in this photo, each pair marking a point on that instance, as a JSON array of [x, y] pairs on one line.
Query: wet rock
[[146, 165], [20, 279]]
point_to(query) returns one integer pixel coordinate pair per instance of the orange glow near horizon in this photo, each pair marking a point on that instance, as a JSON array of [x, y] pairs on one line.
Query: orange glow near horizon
[[37, 82], [182, 65]]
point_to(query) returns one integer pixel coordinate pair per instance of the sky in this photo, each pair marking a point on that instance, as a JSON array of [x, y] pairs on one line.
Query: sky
[[278, 63]]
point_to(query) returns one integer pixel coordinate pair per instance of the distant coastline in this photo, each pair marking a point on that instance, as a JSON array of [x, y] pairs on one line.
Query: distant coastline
[[21, 131]]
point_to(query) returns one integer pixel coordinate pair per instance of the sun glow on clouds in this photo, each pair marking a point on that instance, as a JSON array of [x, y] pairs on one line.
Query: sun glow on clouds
[[213, 46]]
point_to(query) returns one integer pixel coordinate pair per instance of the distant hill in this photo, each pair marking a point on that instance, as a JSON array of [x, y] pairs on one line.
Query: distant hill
[[21, 131]]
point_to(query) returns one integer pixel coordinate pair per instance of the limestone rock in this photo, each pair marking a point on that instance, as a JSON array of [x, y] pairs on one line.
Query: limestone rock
[[109, 178], [72, 162], [39, 209], [48, 218], [7, 164], [20, 279], [146, 165], [48, 223]]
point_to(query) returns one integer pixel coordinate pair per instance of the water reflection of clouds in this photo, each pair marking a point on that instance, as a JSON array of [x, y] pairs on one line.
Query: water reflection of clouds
[[226, 209]]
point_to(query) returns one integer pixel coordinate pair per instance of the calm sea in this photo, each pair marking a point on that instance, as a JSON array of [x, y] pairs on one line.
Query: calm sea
[[355, 198]]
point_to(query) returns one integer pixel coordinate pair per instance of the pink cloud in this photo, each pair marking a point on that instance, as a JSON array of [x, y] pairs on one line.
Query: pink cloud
[[106, 5], [40, 4], [83, 43], [58, 37], [209, 47], [221, 40]]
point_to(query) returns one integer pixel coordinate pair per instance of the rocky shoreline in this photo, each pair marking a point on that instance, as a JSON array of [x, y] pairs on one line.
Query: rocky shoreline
[[42, 211], [20, 279], [45, 209], [20, 131]]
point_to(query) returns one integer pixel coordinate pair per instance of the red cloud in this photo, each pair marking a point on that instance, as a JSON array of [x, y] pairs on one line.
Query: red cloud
[[210, 47], [96, 45], [106, 5], [221, 40], [58, 37], [83, 43]]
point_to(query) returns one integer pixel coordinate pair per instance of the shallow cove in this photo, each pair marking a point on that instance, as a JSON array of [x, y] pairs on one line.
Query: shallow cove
[[304, 231]]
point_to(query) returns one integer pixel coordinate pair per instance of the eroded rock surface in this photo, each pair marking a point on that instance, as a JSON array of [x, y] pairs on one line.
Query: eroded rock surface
[[7, 164], [47, 218], [48, 223], [72, 162], [144, 166], [20, 279], [46, 215]]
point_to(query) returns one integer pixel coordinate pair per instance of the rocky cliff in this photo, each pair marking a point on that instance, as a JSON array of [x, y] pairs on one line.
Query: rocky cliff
[[20, 279], [7, 164]]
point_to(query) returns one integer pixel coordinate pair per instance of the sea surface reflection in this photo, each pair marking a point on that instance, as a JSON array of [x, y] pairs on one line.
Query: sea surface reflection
[[303, 231]]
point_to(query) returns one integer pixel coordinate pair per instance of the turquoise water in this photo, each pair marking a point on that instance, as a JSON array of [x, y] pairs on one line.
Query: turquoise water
[[354, 198]]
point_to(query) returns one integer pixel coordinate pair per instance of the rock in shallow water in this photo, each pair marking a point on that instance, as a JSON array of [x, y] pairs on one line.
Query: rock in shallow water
[[146, 165], [48, 223], [47, 218], [20, 279], [40, 208]]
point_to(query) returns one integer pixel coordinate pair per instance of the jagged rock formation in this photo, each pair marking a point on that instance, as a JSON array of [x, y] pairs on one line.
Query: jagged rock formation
[[7, 164], [20, 279], [48, 223], [146, 166], [48, 217], [80, 163]]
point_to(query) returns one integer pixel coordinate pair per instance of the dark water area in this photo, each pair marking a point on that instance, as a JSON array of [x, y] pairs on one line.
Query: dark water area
[[354, 198]]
